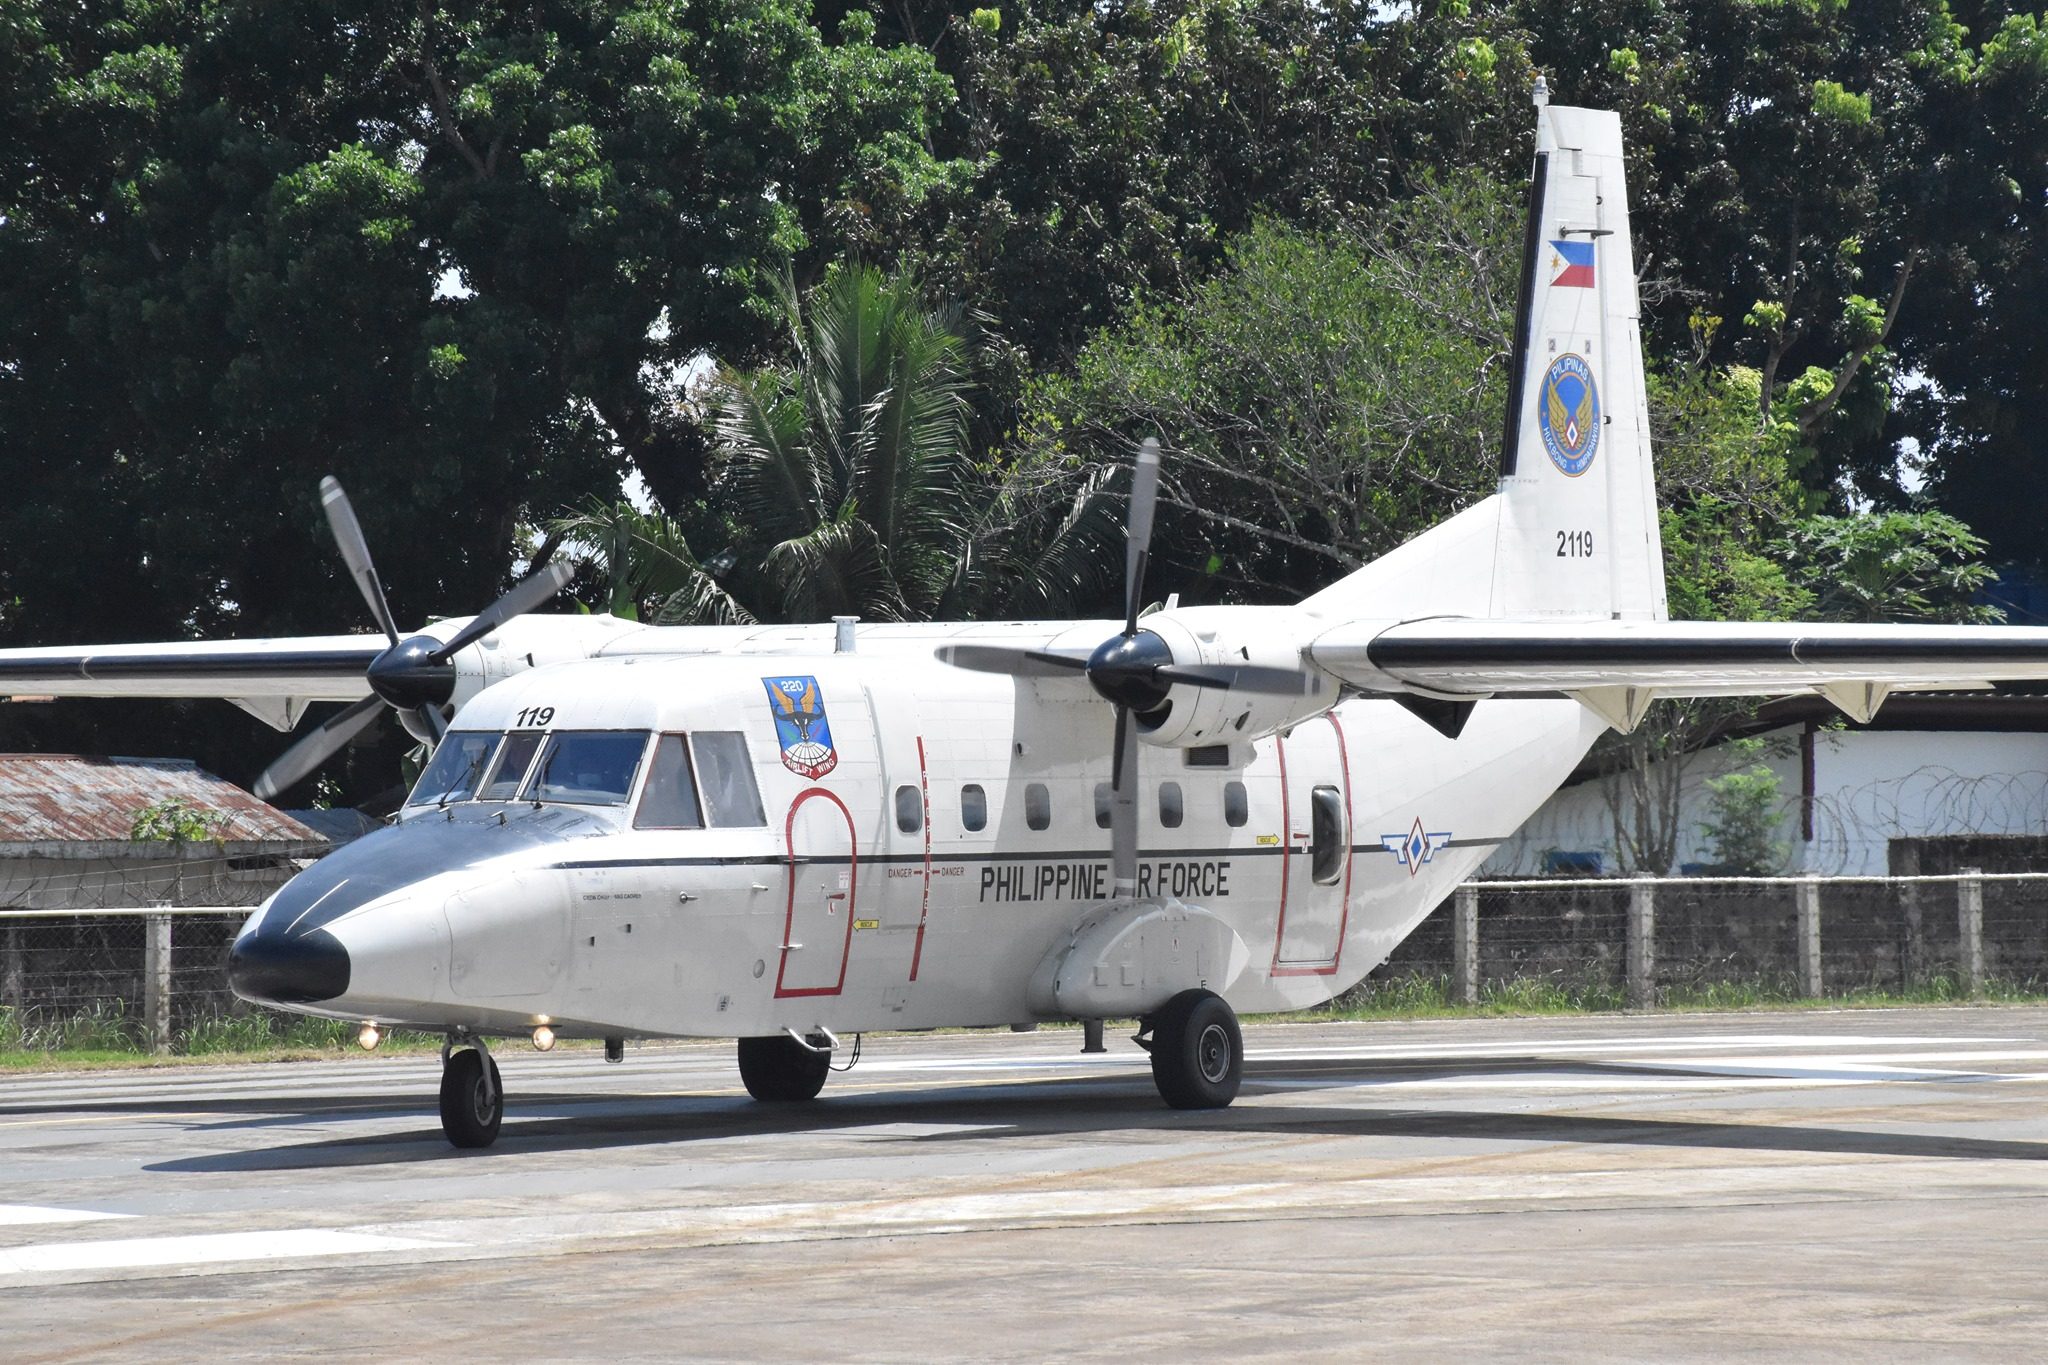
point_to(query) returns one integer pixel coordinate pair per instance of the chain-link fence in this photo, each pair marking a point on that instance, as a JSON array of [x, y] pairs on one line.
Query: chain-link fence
[[116, 978], [1707, 940], [149, 976]]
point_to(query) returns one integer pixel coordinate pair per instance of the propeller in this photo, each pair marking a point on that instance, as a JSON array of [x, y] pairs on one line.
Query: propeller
[[414, 676], [1134, 671]]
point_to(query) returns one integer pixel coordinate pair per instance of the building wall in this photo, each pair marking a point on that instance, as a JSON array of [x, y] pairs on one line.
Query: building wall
[[1870, 786]]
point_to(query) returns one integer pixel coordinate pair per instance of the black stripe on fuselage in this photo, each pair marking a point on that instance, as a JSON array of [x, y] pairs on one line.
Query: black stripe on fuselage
[[1039, 855]]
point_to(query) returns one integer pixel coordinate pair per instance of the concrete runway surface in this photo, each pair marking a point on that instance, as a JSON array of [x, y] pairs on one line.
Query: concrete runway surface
[[1867, 1185]]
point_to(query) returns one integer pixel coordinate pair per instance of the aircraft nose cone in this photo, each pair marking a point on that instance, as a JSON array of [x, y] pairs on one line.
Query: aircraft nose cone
[[285, 969]]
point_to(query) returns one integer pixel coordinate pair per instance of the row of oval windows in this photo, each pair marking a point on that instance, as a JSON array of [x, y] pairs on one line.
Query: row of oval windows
[[1038, 806]]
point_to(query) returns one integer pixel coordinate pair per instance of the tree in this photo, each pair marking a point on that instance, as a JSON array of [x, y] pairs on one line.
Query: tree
[[1326, 396], [841, 480], [452, 254], [1891, 566], [1743, 810]]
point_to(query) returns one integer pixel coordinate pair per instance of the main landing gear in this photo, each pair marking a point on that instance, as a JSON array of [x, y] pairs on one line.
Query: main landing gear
[[782, 1068], [1197, 1050], [472, 1099]]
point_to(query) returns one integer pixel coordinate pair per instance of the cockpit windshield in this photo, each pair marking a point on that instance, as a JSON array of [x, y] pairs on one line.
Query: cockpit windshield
[[458, 766], [587, 767]]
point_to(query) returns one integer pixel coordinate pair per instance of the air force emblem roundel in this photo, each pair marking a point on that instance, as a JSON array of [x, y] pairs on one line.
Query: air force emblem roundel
[[1568, 414], [801, 726]]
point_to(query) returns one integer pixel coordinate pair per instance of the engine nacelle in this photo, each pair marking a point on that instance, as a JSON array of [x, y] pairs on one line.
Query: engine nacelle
[[1224, 637]]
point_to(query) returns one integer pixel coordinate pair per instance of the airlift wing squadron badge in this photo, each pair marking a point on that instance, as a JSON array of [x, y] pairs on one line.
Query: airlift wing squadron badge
[[1568, 414], [801, 726]]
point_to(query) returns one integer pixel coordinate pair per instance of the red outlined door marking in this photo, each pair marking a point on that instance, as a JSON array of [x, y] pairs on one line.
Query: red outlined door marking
[[823, 871], [1319, 913], [924, 908]]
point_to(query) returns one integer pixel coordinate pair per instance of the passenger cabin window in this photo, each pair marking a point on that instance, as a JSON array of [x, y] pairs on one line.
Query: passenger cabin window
[[727, 776], [909, 810], [514, 757], [1327, 835], [588, 767], [459, 763], [1104, 800], [973, 807], [1037, 806], [670, 798], [1171, 805], [1237, 805]]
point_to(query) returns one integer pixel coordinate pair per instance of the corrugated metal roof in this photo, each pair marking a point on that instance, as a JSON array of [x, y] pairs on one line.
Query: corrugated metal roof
[[59, 797]]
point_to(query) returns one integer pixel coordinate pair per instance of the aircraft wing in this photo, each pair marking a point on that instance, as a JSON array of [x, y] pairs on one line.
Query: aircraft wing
[[271, 679], [1619, 666]]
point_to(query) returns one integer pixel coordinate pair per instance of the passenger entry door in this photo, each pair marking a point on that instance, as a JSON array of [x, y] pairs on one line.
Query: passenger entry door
[[1315, 876], [823, 875]]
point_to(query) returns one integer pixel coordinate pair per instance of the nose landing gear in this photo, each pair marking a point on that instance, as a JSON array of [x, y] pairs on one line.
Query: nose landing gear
[[472, 1100]]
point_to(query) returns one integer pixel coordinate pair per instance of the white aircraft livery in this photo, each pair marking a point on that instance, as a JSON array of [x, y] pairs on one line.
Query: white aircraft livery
[[789, 835]]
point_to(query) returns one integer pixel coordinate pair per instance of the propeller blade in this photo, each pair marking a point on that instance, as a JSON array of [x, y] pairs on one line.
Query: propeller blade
[[1019, 663], [1123, 807], [430, 718], [1138, 535], [299, 761], [1276, 682], [355, 552], [527, 594]]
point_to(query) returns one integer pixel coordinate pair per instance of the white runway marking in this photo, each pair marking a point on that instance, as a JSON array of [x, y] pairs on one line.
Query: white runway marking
[[18, 1215], [205, 1249]]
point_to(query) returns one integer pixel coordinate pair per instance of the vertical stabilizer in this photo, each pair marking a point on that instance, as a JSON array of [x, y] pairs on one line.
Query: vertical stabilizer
[[1578, 527], [1573, 530]]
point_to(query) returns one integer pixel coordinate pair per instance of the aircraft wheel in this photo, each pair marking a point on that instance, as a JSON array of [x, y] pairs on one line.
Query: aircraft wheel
[[472, 1100], [1197, 1051], [780, 1068]]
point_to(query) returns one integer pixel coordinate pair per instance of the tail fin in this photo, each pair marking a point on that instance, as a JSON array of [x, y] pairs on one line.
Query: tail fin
[[1573, 530]]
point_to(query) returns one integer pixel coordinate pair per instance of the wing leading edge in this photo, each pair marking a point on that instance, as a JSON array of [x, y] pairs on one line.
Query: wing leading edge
[[301, 668]]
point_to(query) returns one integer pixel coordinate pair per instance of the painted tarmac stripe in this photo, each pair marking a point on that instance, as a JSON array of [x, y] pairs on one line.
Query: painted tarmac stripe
[[20, 1215], [202, 1249]]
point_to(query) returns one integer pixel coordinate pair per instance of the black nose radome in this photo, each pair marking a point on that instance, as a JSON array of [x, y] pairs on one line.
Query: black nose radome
[[297, 969]]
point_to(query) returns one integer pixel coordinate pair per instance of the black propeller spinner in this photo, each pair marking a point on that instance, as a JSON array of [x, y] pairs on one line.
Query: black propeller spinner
[[414, 676], [1134, 671]]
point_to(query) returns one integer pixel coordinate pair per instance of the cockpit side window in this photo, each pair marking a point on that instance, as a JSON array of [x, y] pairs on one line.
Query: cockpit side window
[[587, 767], [727, 776], [459, 763], [669, 800], [514, 756]]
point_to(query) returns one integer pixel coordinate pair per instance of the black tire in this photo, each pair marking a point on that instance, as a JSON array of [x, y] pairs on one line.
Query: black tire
[[782, 1069], [471, 1111], [1197, 1051]]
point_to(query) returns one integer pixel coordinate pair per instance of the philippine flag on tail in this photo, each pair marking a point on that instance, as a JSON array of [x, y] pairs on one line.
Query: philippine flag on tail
[[1574, 265]]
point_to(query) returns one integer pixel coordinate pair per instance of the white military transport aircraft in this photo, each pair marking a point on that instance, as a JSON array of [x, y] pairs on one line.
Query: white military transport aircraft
[[790, 834]]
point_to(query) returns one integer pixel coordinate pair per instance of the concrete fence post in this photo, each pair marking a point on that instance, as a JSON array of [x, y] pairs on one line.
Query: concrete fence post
[[156, 980], [1641, 949], [13, 974], [1970, 921], [1810, 979], [1465, 945]]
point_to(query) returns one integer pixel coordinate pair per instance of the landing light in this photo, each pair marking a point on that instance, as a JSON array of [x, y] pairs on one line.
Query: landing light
[[543, 1039], [368, 1039]]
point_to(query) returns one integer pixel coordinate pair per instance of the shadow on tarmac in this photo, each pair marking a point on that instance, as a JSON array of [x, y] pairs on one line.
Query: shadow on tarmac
[[1011, 1110]]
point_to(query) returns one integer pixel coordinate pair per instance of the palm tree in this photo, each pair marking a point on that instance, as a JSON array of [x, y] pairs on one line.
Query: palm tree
[[848, 468]]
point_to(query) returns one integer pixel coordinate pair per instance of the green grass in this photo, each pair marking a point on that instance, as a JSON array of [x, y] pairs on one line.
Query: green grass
[[106, 1034], [1430, 997]]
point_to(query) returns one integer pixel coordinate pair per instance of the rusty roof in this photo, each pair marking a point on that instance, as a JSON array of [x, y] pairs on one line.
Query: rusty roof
[[47, 798]]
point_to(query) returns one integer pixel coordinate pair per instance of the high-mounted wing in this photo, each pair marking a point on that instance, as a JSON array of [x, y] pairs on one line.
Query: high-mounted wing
[[1617, 667], [304, 668]]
